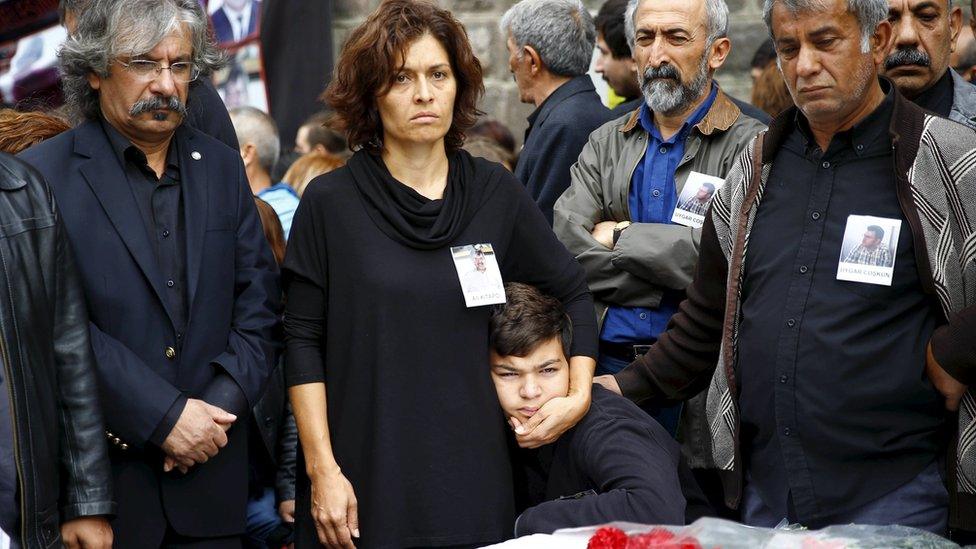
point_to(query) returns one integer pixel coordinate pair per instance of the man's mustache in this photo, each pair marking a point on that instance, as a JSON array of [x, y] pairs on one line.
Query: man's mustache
[[656, 73], [907, 56], [157, 103]]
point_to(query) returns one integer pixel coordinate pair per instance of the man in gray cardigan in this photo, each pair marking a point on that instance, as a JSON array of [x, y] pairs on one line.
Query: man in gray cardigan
[[616, 216], [830, 396]]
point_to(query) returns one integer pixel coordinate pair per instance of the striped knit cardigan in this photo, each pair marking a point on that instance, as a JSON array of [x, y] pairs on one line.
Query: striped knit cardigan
[[935, 159]]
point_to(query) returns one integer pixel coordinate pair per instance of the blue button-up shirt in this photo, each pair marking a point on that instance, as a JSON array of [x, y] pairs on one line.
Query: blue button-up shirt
[[653, 197]]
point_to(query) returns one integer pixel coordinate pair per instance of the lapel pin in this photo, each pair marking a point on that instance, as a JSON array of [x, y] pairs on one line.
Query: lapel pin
[[196, 155]]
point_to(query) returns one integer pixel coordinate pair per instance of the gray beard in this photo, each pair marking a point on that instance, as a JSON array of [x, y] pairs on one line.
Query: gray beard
[[671, 97]]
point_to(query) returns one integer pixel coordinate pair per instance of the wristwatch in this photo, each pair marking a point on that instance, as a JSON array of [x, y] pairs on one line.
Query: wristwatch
[[618, 229]]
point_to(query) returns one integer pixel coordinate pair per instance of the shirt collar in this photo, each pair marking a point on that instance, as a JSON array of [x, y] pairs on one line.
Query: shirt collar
[[125, 151], [647, 118], [869, 135]]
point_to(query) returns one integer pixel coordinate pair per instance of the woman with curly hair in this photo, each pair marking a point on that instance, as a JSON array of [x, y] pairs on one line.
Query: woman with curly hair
[[403, 440]]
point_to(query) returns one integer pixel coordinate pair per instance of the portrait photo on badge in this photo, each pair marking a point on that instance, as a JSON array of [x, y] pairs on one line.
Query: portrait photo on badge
[[868, 250], [479, 275], [695, 198]]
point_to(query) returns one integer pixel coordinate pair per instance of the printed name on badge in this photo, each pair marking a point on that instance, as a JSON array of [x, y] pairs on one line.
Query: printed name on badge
[[867, 253], [481, 280], [694, 200]]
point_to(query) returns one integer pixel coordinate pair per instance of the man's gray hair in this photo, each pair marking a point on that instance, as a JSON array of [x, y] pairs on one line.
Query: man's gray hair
[[869, 13], [716, 15], [254, 126], [108, 29], [562, 31]]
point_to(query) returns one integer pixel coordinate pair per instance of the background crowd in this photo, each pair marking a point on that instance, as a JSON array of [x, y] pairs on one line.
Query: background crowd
[[217, 335]]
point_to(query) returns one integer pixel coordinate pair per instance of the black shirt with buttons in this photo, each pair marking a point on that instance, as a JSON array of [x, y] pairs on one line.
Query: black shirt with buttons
[[160, 205], [836, 409]]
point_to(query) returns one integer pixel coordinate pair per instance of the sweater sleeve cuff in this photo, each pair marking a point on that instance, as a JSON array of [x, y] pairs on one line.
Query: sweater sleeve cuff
[[953, 350], [168, 422], [632, 384]]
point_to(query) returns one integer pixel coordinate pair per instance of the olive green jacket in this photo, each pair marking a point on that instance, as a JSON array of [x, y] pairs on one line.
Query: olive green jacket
[[649, 257]]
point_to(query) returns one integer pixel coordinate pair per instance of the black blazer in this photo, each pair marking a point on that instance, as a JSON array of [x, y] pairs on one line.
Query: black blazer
[[233, 301], [558, 131], [224, 32]]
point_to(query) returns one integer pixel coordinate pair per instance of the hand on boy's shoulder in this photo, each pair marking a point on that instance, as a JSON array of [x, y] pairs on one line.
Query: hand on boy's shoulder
[[608, 382]]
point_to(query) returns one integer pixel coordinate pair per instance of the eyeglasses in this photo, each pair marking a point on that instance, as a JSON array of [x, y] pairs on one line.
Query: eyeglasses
[[146, 70]]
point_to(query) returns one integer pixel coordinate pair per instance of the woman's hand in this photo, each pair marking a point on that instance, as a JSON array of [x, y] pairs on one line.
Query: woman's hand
[[552, 420], [334, 509]]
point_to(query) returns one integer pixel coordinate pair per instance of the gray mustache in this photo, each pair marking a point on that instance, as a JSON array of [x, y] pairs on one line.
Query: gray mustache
[[156, 103], [904, 57], [664, 71]]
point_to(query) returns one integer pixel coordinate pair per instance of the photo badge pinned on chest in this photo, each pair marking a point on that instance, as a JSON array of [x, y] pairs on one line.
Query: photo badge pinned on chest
[[695, 198], [477, 269], [869, 249]]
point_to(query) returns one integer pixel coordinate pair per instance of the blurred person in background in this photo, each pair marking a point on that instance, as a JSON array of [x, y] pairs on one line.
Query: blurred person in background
[[489, 150], [272, 440], [402, 440], [764, 56], [20, 130], [260, 147], [316, 135], [613, 59], [923, 38], [308, 167], [550, 44], [769, 91]]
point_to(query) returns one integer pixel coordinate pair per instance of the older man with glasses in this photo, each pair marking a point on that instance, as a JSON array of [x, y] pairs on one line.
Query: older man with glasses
[[180, 283]]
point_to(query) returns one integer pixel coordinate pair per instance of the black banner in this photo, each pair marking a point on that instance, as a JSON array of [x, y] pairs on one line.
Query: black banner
[[296, 40]]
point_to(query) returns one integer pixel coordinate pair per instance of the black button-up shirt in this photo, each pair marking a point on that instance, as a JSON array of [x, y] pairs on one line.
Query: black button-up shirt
[[836, 409], [160, 204]]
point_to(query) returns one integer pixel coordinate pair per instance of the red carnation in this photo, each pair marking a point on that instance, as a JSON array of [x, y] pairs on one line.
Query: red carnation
[[608, 538]]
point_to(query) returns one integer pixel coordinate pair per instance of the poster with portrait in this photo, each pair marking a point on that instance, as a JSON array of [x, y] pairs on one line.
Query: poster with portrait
[[478, 272], [869, 249], [241, 82], [237, 29], [235, 21], [695, 198]]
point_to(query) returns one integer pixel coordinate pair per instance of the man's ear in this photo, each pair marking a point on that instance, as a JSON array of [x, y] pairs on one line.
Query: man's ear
[[94, 81], [249, 154], [955, 26], [879, 42], [535, 60], [719, 52]]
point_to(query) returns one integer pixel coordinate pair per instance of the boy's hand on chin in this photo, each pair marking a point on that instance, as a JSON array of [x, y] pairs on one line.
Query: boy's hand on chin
[[552, 420]]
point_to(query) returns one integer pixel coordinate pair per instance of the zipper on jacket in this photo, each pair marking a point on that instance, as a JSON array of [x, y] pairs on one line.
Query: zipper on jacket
[[16, 436]]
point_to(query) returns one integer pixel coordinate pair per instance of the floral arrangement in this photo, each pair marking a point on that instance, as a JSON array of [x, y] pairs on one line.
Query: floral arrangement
[[658, 538]]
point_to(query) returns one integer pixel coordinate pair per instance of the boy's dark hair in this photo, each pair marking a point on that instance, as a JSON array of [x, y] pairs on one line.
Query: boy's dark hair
[[610, 24], [528, 319]]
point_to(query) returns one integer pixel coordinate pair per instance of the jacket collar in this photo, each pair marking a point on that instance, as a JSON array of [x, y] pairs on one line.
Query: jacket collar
[[576, 85], [719, 118], [963, 100], [905, 129]]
